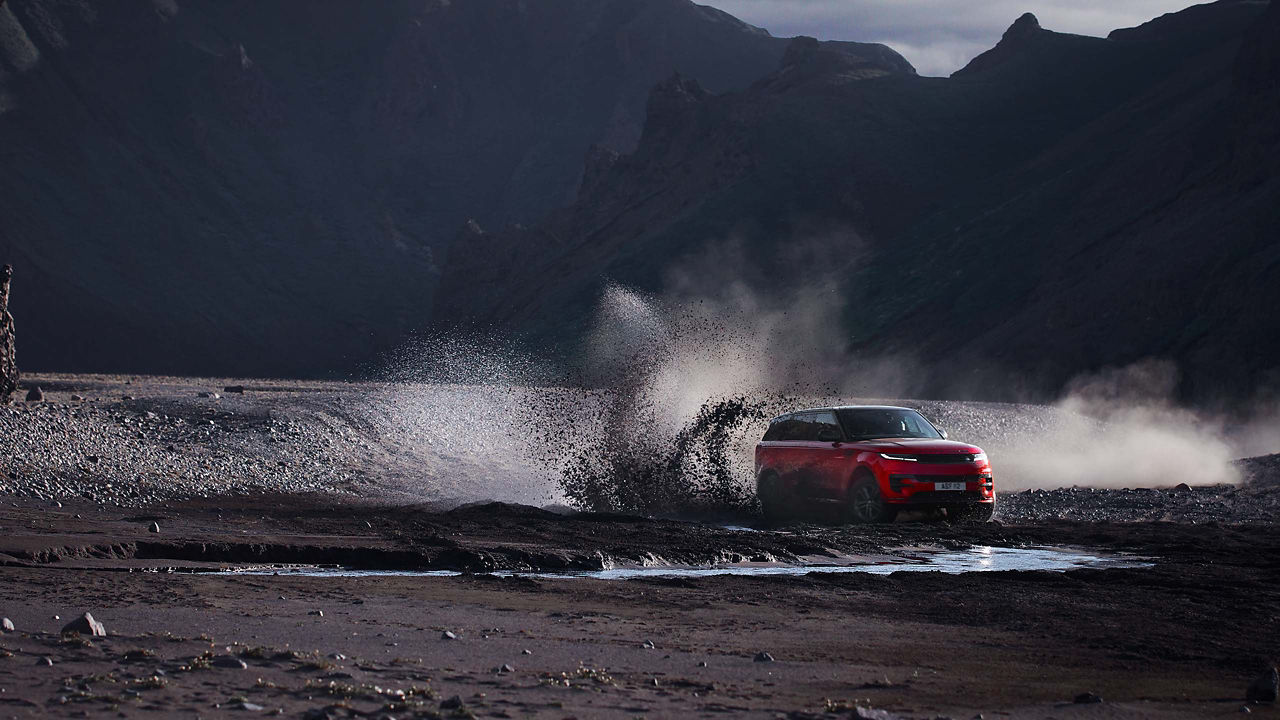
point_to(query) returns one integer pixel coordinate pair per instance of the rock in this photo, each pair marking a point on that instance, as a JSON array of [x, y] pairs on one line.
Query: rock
[[207, 394], [1087, 698], [1182, 487], [35, 394], [229, 662], [505, 668], [453, 703], [6, 625], [1264, 688], [317, 613], [648, 645], [448, 635], [251, 707], [85, 625], [237, 389], [9, 374], [526, 651], [153, 527], [763, 657], [76, 398], [45, 661]]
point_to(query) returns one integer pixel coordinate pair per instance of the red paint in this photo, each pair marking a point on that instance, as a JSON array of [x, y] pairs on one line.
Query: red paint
[[809, 472]]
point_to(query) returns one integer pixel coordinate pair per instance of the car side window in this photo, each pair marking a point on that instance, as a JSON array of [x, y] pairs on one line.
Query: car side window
[[826, 426]]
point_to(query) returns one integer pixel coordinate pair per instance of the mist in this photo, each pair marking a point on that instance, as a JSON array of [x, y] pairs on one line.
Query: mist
[[673, 389]]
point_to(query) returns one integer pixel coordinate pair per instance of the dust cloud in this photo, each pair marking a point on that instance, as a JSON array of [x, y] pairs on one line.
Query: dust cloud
[[671, 392]]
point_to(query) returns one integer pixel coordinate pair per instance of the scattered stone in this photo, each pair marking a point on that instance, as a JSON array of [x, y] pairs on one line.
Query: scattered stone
[[153, 527], [208, 394], [84, 625], [77, 398], [237, 389], [57, 503], [1087, 698], [35, 394], [251, 707], [45, 661], [763, 657], [505, 668], [1182, 487], [229, 662], [317, 613], [453, 703], [1264, 688], [127, 398], [648, 645], [6, 625], [702, 663], [526, 651], [448, 635], [866, 713]]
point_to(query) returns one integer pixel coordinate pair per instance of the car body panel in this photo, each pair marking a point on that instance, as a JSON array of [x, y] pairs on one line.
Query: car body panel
[[812, 472]]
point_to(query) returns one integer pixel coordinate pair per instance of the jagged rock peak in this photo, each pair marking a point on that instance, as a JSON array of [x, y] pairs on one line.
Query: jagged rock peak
[[1025, 26], [1022, 27], [673, 97]]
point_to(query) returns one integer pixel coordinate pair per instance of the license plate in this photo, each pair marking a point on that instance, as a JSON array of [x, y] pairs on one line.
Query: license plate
[[948, 486]]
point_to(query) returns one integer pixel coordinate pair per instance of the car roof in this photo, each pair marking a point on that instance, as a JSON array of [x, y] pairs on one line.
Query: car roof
[[843, 407]]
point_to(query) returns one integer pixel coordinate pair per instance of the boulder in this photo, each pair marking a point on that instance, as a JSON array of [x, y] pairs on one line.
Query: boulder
[[8, 364], [35, 394], [6, 625], [85, 625]]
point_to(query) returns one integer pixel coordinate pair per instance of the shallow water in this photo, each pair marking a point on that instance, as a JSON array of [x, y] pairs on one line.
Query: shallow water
[[976, 559]]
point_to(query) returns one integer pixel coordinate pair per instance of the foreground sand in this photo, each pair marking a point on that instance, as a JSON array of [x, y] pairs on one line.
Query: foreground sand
[[1181, 639]]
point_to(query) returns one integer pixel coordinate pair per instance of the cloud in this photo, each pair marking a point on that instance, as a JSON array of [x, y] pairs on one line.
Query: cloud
[[939, 36]]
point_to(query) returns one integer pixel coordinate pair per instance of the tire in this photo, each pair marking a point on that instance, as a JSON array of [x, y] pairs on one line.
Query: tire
[[773, 505], [866, 503], [979, 513]]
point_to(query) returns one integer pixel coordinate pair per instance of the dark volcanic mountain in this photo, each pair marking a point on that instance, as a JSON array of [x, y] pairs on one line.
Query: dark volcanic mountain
[[1061, 204], [267, 187]]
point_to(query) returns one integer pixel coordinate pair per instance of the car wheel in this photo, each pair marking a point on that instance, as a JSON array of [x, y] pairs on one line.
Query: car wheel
[[979, 513], [866, 502], [772, 502]]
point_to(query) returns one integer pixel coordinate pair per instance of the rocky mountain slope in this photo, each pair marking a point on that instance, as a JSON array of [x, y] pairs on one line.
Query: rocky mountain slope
[[1061, 204], [269, 188]]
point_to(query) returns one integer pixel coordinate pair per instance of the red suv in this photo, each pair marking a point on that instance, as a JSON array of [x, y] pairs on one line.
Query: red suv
[[871, 461]]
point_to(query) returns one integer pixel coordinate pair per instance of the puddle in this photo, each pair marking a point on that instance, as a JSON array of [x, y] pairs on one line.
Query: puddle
[[975, 559]]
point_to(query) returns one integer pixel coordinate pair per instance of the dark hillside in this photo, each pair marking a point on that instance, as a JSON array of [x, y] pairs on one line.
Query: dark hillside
[[1060, 204], [249, 187]]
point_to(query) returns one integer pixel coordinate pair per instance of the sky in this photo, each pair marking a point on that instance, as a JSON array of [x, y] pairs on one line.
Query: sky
[[938, 36]]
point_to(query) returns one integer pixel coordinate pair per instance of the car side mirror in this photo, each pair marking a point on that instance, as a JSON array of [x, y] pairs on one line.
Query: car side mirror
[[828, 435], [943, 433]]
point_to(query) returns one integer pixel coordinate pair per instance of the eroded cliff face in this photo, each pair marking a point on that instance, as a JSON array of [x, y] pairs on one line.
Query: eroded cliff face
[[1063, 204], [8, 355], [246, 187]]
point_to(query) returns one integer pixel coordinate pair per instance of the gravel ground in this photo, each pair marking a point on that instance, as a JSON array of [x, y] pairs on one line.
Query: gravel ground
[[134, 441]]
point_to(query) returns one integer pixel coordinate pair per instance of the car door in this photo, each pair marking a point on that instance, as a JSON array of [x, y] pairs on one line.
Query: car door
[[815, 454], [829, 458]]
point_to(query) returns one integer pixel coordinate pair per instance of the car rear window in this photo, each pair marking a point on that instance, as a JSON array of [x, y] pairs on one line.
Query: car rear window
[[802, 427]]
